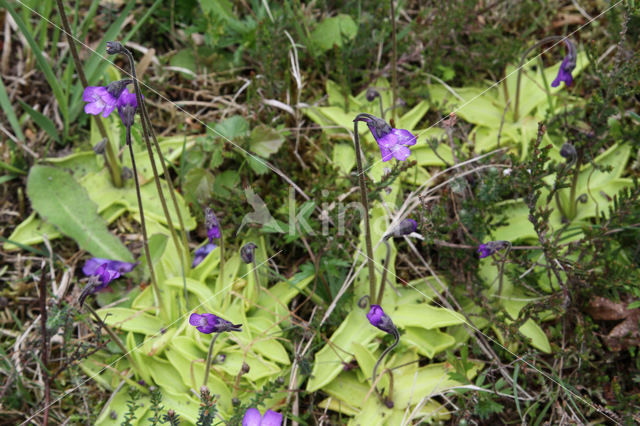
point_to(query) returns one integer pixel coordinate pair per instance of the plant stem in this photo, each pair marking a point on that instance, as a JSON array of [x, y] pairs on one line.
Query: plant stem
[[574, 186], [143, 224], [111, 159], [147, 130], [365, 204], [381, 107], [384, 354], [255, 274], [114, 336], [394, 59], [385, 267], [520, 65], [221, 256], [209, 359]]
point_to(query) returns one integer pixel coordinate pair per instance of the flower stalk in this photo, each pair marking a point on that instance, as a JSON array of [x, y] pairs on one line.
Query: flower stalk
[[115, 169], [209, 358], [365, 203], [147, 130]]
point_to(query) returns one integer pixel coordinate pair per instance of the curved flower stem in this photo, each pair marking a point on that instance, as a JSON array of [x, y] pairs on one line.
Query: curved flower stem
[[384, 354], [573, 202], [147, 129], [209, 359], [111, 158], [381, 107], [145, 240], [385, 268], [520, 65], [365, 204]]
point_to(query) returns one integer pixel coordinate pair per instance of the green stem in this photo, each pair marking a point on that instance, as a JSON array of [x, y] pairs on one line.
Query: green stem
[[574, 186], [384, 354], [111, 159], [145, 239], [385, 267], [209, 359], [520, 65], [255, 275], [365, 204], [221, 256]]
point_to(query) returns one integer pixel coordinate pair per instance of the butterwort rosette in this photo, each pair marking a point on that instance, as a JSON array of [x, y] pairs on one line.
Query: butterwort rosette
[[567, 66], [393, 143], [379, 319], [210, 323], [201, 253], [491, 247], [252, 417]]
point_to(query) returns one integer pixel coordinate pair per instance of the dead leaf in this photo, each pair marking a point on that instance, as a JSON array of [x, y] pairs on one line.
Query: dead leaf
[[624, 335]]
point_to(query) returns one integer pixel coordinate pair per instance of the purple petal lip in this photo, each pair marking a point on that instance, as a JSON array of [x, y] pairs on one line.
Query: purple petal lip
[[375, 315], [484, 251], [252, 417], [127, 98], [405, 137], [201, 253], [90, 267], [271, 418]]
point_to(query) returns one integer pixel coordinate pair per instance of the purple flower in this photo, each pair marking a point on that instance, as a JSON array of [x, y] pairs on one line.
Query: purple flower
[[567, 66], [379, 319], [393, 143], [209, 323], [101, 272], [252, 417], [406, 227], [99, 101], [103, 99], [487, 249], [201, 253], [127, 104], [92, 266], [212, 225]]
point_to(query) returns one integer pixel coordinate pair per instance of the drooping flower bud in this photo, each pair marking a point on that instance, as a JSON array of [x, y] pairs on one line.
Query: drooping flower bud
[[247, 252], [380, 320], [114, 47]]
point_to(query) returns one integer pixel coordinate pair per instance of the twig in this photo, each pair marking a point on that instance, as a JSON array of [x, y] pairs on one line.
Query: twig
[[44, 356]]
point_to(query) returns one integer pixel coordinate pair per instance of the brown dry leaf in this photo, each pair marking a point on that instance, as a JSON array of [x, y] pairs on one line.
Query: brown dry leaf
[[626, 333]]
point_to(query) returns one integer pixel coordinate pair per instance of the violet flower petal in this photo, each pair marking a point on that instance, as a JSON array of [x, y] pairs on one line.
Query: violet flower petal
[[271, 418], [405, 137], [400, 152], [252, 417]]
